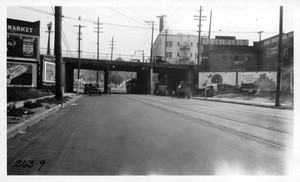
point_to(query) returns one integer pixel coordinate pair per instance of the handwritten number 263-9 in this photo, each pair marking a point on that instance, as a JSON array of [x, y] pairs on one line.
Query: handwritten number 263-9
[[28, 163]]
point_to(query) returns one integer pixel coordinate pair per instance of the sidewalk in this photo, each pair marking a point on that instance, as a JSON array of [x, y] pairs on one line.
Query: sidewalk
[[19, 124], [245, 100]]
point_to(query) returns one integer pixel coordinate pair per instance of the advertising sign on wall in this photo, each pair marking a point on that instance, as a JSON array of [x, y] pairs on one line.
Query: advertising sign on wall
[[49, 72], [22, 39], [261, 80], [258, 80], [21, 46], [209, 78], [21, 74]]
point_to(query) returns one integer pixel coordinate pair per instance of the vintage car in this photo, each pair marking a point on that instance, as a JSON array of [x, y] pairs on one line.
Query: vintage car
[[92, 88], [160, 89], [183, 90]]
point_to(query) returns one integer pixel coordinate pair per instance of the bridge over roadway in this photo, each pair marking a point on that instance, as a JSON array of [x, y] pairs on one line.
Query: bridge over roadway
[[174, 73]]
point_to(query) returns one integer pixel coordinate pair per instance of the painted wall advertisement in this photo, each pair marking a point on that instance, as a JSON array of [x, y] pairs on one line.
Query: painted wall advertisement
[[21, 74], [258, 80], [21, 46], [49, 72], [22, 38], [209, 78]]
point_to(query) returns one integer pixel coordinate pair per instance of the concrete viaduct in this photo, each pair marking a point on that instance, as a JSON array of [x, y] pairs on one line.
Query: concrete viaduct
[[174, 73]]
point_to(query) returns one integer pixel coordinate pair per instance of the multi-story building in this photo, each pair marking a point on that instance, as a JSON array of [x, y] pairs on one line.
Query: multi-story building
[[183, 49], [267, 53], [226, 58]]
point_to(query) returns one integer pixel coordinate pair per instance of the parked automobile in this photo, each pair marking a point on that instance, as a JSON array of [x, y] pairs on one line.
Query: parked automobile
[[183, 90], [92, 88], [160, 89]]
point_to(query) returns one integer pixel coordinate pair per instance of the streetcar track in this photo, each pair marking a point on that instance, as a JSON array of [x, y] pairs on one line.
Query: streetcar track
[[244, 110], [242, 122], [219, 126]]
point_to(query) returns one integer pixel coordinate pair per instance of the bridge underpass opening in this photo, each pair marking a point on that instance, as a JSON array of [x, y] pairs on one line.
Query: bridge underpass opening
[[116, 78], [86, 77]]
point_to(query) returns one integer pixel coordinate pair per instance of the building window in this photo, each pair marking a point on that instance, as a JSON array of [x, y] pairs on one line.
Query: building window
[[268, 52], [191, 55], [235, 58], [169, 54], [222, 57], [191, 43], [247, 58], [178, 43], [178, 54], [285, 54], [169, 44]]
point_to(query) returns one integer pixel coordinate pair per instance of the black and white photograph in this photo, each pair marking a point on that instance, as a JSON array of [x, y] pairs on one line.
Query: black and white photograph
[[159, 90]]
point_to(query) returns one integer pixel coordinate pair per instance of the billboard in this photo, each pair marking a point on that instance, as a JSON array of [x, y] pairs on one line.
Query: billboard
[[259, 80], [23, 39], [253, 80], [209, 78], [21, 74], [21, 46], [49, 72]]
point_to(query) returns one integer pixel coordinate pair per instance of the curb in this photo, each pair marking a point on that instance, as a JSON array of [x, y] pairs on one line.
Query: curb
[[247, 103], [37, 118]]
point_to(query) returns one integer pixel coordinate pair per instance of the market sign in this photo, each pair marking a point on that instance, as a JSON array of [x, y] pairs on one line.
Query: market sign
[[23, 27], [22, 39]]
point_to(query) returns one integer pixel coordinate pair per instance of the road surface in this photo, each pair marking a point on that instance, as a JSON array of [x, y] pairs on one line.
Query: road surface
[[145, 135]]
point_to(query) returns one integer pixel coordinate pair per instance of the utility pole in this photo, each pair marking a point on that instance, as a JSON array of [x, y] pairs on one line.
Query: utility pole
[[58, 53], [152, 27], [143, 53], [279, 58], [209, 26], [49, 32], [79, 59], [199, 31], [98, 32], [166, 41], [161, 22], [260, 32], [112, 48]]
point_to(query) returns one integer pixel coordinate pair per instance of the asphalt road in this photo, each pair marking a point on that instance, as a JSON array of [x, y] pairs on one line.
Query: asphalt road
[[123, 135]]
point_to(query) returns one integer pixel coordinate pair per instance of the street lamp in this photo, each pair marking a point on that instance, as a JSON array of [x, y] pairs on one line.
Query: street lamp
[[49, 25]]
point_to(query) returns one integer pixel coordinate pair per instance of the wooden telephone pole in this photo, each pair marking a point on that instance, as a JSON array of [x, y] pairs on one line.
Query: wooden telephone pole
[[79, 59], [98, 32], [58, 53], [200, 19], [279, 58]]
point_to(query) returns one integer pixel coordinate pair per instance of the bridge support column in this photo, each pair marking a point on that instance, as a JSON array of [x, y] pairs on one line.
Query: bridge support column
[[106, 79], [151, 88]]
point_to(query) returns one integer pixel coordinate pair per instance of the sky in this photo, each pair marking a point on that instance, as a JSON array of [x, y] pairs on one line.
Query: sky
[[125, 21]]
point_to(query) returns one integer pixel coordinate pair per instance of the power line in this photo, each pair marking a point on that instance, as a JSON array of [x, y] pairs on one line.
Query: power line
[[84, 20], [125, 16]]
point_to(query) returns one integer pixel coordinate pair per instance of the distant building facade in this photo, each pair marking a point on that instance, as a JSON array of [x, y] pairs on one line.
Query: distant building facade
[[183, 49], [266, 51]]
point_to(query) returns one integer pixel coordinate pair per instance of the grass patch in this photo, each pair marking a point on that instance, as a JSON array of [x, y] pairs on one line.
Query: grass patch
[[17, 112], [18, 94], [29, 104]]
